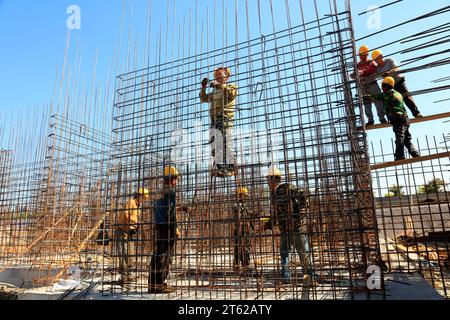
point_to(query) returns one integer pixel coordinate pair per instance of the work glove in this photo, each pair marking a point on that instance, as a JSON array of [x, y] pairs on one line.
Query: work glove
[[178, 234], [205, 83]]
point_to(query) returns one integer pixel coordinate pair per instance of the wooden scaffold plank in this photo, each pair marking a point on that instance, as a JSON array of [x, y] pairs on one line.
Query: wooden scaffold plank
[[410, 161]]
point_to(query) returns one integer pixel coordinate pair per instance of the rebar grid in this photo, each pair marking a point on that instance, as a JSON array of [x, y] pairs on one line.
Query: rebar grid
[[296, 111]]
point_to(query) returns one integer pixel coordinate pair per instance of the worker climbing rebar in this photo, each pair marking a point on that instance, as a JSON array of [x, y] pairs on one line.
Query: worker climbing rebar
[[289, 209], [243, 229], [389, 68], [126, 229], [222, 102], [398, 117], [166, 233], [367, 68]]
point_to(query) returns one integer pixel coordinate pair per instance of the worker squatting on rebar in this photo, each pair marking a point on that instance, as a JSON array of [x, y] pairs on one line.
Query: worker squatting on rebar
[[222, 102], [370, 87], [394, 107], [166, 233], [289, 209], [126, 229]]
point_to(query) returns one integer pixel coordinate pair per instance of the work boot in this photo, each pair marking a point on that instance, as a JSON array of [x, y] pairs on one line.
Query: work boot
[[383, 121], [415, 154], [285, 275], [400, 158], [161, 289], [418, 116], [370, 123]]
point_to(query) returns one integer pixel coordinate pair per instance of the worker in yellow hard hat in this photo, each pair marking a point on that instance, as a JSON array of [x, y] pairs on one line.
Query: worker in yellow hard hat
[[388, 67], [289, 209], [398, 117], [367, 68], [222, 100], [243, 229], [126, 228], [166, 232]]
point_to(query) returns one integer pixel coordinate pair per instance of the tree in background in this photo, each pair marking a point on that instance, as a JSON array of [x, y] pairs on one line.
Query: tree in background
[[395, 191], [433, 186]]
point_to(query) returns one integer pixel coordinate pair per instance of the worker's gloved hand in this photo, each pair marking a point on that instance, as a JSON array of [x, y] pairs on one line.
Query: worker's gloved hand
[[205, 82], [178, 234]]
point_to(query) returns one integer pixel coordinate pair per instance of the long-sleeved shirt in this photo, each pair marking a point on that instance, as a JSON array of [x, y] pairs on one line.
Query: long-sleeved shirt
[[128, 217], [367, 68], [165, 208], [243, 219], [390, 68], [289, 206], [222, 100], [393, 103]]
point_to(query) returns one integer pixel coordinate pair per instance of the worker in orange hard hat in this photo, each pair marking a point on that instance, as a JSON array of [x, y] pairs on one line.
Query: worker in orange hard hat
[[126, 228], [222, 100], [396, 112], [388, 67], [166, 232], [367, 68]]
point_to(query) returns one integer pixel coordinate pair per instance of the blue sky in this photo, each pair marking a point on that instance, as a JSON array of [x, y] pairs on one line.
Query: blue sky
[[34, 35]]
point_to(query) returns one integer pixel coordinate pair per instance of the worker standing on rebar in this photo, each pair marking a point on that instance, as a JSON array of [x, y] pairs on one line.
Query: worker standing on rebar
[[289, 209], [367, 68], [398, 117], [166, 233], [126, 228], [389, 68], [222, 100], [243, 229]]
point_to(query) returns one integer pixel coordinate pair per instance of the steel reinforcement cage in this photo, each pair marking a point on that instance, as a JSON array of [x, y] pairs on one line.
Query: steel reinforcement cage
[[295, 111]]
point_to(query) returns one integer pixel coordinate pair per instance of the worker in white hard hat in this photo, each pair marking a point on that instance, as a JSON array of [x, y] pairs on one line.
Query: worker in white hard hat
[[367, 68], [289, 207], [243, 229], [166, 232], [126, 228]]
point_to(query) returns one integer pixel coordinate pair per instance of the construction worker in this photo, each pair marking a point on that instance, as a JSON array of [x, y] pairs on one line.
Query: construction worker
[[222, 100], [166, 233], [243, 228], [289, 208], [388, 68], [397, 115], [126, 228], [366, 68]]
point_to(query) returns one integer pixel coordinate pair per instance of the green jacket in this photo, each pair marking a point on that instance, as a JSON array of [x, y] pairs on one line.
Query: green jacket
[[289, 207], [393, 103]]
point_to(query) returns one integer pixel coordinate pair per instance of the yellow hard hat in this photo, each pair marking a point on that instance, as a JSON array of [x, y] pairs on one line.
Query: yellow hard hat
[[390, 81], [376, 54], [274, 172], [242, 190], [144, 192], [171, 172], [364, 50]]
